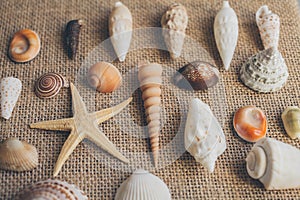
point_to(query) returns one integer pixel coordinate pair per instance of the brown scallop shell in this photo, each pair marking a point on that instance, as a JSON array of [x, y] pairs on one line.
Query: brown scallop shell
[[48, 85], [104, 77], [24, 46], [197, 75], [17, 155]]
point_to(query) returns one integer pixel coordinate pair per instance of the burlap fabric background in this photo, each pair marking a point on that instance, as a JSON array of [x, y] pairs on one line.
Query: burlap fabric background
[[185, 178]]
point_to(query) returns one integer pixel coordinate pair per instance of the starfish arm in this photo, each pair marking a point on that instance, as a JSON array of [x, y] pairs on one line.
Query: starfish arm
[[78, 105], [102, 141], [55, 125], [70, 144], [108, 113]]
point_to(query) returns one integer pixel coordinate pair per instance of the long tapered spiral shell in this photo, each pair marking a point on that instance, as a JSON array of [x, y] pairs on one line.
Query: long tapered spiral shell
[[48, 85], [174, 23], [17, 155], [269, 26], [24, 46], [150, 81], [275, 164], [52, 190]]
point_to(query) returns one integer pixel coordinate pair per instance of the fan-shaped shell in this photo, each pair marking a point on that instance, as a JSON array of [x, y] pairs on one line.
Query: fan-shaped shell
[[265, 72], [142, 185], [48, 85], [275, 164], [250, 123], [10, 91], [203, 136], [17, 155], [52, 190], [197, 75], [24, 46], [104, 77], [174, 23]]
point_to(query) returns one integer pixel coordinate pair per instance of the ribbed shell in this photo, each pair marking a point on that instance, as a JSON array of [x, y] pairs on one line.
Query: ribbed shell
[[226, 33], [10, 91], [52, 190], [174, 23], [17, 155], [24, 46], [120, 29], [150, 81], [142, 185], [48, 85], [265, 71], [269, 27]]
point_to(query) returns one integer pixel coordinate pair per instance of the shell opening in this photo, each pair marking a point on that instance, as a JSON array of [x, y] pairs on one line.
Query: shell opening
[[256, 162]]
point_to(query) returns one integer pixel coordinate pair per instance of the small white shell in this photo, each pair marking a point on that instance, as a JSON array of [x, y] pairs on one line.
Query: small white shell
[[52, 190], [265, 72], [204, 138], [269, 27], [120, 29], [226, 33], [142, 185], [10, 91]]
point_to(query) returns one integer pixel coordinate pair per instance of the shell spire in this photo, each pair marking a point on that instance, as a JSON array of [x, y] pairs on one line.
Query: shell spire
[[149, 75], [120, 29], [269, 27], [226, 33], [174, 23]]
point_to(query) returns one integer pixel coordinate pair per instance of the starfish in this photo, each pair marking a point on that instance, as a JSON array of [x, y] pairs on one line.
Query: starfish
[[83, 125]]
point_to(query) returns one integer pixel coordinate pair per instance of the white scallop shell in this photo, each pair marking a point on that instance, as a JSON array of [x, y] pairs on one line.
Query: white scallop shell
[[265, 72], [10, 91], [120, 29], [142, 185], [204, 138], [269, 26], [226, 33], [52, 190]]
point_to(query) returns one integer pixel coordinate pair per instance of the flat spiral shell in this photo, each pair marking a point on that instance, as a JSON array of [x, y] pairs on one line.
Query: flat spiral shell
[[48, 85], [24, 46]]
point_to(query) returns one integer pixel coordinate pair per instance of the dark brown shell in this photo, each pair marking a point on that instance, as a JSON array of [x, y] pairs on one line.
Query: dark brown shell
[[197, 75], [72, 37], [48, 85]]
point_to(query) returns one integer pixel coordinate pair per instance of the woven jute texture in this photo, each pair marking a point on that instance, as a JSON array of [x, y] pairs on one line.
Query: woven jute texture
[[98, 176]]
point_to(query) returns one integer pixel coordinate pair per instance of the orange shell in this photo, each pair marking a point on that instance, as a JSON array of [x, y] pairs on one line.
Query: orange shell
[[24, 46], [250, 123], [104, 77]]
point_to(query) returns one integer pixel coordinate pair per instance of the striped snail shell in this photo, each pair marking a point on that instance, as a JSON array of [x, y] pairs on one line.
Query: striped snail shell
[[48, 85]]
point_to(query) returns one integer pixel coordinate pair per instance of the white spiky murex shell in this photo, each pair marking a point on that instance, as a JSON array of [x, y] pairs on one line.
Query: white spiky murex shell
[[204, 138], [52, 190], [17, 155], [275, 164], [269, 26], [174, 23], [120, 29], [226, 33], [265, 72], [10, 91], [142, 185]]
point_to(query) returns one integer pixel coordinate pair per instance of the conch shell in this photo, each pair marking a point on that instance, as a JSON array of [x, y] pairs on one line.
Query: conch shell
[[265, 71], [204, 138], [120, 29], [52, 190], [17, 155], [104, 77], [174, 23], [226, 33], [269, 27], [150, 81], [291, 121], [275, 164], [10, 91], [142, 185]]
